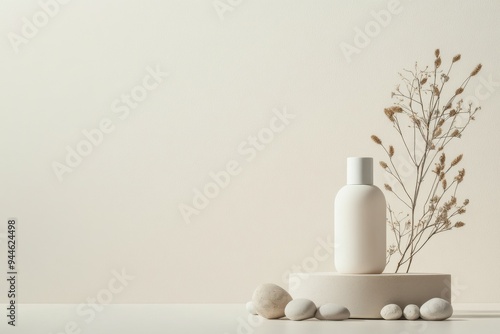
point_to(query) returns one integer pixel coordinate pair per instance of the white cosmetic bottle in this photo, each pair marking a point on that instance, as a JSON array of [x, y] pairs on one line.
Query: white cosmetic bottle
[[360, 222]]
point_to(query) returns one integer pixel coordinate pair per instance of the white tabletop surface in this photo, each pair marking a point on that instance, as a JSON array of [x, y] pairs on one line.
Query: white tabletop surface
[[228, 318]]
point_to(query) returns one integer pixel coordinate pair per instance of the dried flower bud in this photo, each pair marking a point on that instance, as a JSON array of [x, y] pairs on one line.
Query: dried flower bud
[[459, 91], [394, 109], [441, 122], [441, 176], [456, 133], [444, 183], [437, 132], [453, 112], [435, 90], [423, 81], [476, 70], [437, 62], [442, 159], [453, 200], [461, 211], [466, 202], [389, 113], [391, 151], [383, 164], [456, 58], [436, 53], [460, 177], [376, 139], [459, 224], [438, 169], [446, 107], [387, 187], [457, 160]]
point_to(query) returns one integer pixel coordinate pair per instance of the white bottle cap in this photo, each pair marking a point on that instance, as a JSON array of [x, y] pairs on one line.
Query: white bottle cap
[[359, 170]]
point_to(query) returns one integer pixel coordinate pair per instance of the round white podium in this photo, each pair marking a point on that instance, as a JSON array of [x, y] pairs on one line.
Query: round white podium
[[365, 294]]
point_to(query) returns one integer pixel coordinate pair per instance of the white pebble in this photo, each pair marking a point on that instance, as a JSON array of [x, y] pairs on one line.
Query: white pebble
[[332, 311], [250, 308], [300, 309], [411, 312], [436, 309], [391, 312], [270, 300]]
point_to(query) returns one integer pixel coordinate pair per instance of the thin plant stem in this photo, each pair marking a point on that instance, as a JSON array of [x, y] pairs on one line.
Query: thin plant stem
[[418, 105]]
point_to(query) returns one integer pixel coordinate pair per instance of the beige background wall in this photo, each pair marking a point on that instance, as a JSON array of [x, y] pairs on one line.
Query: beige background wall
[[232, 66]]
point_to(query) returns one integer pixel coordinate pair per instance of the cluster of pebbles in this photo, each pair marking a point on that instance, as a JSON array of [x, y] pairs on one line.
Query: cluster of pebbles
[[273, 302], [433, 309]]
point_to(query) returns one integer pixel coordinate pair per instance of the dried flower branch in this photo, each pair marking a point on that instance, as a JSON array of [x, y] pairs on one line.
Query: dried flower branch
[[433, 121]]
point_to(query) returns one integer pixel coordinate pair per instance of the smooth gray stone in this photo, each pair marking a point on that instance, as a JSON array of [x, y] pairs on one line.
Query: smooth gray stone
[[270, 300], [300, 309], [331, 311], [411, 312], [391, 312], [436, 309]]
